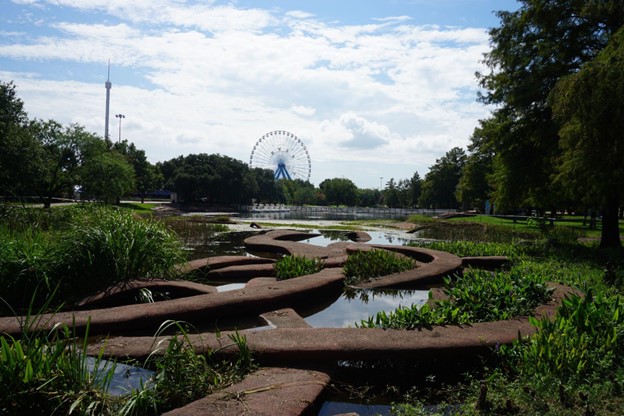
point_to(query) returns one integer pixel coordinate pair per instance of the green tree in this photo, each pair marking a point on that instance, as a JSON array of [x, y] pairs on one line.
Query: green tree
[[107, 177], [590, 106], [532, 49], [61, 151], [339, 191], [369, 197], [440, 183], [391, 194], [474, 185], [147, 177], [17, 146]]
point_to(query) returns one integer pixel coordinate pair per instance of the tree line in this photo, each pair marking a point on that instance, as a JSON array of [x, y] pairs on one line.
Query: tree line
[[553, 141], [46, 160]]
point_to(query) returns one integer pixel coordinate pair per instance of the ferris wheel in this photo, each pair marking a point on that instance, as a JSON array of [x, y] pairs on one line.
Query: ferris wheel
[[284, 153]]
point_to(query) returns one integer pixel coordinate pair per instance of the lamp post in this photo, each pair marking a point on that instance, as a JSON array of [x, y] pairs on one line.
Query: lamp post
[[119, 116], [380, 181]]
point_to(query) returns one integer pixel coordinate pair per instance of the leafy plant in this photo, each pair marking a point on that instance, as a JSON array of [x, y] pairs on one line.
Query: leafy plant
[[183, 376], [583, 344], [289, 267], [47, 373], [477, 296], [471, 248], [366, 265]]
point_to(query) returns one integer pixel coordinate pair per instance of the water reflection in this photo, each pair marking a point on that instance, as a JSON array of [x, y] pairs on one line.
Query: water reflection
[[355, 305], [377, 237]]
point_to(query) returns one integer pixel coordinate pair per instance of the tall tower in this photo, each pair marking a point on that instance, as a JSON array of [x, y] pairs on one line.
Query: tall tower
[[108, 86]]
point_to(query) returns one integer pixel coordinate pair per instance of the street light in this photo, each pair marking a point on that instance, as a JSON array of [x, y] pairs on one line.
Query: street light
[[119, 116]]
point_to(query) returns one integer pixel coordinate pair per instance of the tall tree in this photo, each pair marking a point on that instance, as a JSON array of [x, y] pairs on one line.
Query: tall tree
[[391, 194], [147, 177], [531, 50], [60, 154], [440, 183], [590, 106], [474, 185], [339, 191], [17, 146], [107, 177]]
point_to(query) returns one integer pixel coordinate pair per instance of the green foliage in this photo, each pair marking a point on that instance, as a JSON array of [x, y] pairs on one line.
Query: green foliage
[[463, 231], [47, 374], [289, 267], [194, 230], [339, 191], [589, 106], [107, 177], [532, 48], [582, 345], [183, 376], [363, 266], [440, 183], [477, 296], [111, 245], [470, 248], [60, 248]]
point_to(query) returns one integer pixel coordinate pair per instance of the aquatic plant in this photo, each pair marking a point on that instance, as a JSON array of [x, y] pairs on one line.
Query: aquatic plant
[[289, 267], [366, 265], [477, 296], [182, 375]]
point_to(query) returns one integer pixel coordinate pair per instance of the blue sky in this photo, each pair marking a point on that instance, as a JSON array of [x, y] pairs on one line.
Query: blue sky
[[375, 89]]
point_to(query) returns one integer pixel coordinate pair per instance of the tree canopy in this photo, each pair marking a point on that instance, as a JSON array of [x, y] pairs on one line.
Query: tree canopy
[[532, 49], [590, 106]]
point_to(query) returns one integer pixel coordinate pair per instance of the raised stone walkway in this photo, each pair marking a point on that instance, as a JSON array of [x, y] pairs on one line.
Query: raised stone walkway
[[289, 341]]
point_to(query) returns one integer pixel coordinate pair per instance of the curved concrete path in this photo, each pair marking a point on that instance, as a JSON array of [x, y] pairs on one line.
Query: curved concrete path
[[290, 341]]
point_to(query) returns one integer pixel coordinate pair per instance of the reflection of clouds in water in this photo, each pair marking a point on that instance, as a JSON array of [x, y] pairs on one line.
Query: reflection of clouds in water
[[346, 312], [377, 237]]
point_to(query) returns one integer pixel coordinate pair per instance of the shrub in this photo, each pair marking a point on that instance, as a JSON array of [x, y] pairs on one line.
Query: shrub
[[80, 250]]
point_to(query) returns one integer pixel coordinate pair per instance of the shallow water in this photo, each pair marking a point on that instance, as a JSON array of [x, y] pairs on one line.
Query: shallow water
[[125, 378], [354, 306]]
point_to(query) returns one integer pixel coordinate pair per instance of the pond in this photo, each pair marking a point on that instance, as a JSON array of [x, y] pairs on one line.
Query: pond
[[232, 243], [354, 306]]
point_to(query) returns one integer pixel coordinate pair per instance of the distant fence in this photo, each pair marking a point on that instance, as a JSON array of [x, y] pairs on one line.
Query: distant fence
[[333, 210]]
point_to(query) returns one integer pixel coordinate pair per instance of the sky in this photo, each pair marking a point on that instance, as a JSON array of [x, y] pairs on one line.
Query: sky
[[374, 89]]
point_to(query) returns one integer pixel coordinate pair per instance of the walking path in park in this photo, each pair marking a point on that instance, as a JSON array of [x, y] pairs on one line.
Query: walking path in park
[[296, 360]]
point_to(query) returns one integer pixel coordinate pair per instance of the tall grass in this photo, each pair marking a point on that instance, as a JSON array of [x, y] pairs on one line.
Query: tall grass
[[80, 250], [112, 245], [47, 373], [182, 376]]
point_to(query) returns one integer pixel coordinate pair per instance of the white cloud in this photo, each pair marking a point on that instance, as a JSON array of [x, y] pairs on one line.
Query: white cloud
[[219, 77]]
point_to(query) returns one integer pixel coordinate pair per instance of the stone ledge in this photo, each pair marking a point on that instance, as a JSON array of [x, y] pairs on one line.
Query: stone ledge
[[266, 392]]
